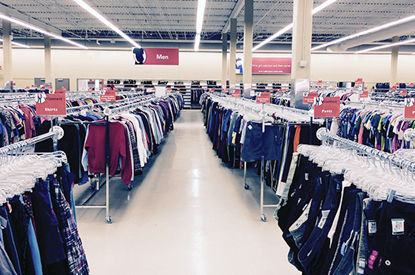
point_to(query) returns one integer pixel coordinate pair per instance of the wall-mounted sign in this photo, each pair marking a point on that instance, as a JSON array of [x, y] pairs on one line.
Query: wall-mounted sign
[[409, 108], [51, 104], [156, 56], [266, 65], [326, 107], [263, 97]]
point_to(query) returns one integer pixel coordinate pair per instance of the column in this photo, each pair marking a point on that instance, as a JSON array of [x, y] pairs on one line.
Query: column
[[224, 59], [394, 61], [7, 52], [232, 56], [48, 61], [301, 49], [248, 41]]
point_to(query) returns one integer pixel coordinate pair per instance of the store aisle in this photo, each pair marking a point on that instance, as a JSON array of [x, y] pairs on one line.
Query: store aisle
[[188, 214]]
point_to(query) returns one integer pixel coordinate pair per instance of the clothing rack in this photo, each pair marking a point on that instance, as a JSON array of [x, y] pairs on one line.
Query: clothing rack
[[286, 113]]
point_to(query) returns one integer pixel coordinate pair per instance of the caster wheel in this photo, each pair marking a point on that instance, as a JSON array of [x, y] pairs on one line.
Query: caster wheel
[[130, 187], [109, 220], [263, 218], [246, 186]]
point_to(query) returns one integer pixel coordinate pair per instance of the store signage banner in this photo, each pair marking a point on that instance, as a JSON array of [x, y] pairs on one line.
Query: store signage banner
[[409, 108], [266, 65], [359, 81], [263, 97], [236, 93], [326, 107], [403, 93], [156, 56], [364, 94], [320, 82], [309, 97], [108, 96], [51, 104]]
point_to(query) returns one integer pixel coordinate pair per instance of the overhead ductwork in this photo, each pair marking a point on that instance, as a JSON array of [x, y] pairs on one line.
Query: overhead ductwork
[[398, 30]]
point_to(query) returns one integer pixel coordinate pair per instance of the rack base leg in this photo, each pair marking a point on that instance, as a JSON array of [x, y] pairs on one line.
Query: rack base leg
[[263, 218], [130, 187], [109, 219]]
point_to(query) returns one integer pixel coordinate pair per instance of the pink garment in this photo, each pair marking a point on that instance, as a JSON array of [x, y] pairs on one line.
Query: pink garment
[[28, 123]]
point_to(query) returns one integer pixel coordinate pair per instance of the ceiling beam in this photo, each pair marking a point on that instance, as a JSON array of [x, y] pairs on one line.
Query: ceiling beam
[[235, 12], [6, 10]]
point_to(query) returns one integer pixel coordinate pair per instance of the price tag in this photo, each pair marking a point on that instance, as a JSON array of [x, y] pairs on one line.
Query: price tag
[[364, 94], [51, 104], [398, 226], [236, 93], [324, 215], [309, 97], [372, 227], [326, 107], [263, 97], [108, 96], [409, 112]]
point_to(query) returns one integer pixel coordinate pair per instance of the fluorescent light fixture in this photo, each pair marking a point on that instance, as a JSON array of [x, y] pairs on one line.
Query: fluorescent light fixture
[[29, 26], [197, 42], [106, 22], [386, 46], [201, 4], [290, 26], [375, 29], [17, 44]]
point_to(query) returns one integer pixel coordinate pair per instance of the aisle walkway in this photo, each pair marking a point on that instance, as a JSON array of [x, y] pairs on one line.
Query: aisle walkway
[[188, 214]]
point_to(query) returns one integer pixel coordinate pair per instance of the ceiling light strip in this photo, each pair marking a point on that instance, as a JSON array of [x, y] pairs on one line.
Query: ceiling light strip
[[29, 26], [106, 22], [201, 4], [17, 44], [386, 46], [375, 29], [290, 26]]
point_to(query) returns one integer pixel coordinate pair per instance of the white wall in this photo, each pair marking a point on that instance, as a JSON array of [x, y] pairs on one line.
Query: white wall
[[73, 64]]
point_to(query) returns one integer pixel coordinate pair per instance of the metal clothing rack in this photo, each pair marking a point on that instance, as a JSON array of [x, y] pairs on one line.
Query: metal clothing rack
[[282, 111]]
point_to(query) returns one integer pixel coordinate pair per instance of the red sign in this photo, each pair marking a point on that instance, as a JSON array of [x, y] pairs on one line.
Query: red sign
[[27, 88], [156, 56], [51, 104], [90, 89], [409, 108], [393, 88], [236, 93], [264, 97], [364, 94], [411, 84], [271, 65], [168, 90], [320, 82], [109, 95], [309, 97], [225, 90], [212, 90], [325, 107], [271, 90], [359, 81], [403, 93]]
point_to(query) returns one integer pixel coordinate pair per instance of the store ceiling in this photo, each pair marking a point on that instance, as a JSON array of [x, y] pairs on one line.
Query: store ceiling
[[167, 20]]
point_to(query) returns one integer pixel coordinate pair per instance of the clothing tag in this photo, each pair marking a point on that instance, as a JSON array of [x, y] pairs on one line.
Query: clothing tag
[[281, 188], [372, 227], [362, 265], [323, 219], [398, 226], [306, 176], [250, 127], [343, 249], [391, 196]]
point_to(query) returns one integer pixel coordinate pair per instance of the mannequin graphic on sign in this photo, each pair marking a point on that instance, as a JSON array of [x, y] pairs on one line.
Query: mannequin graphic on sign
[[238, 66], [140, 56], [319, 101], [410, 102], [41, 98]]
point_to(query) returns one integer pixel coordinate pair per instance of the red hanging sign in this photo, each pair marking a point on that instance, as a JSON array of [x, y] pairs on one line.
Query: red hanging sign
[[359, 81], [271, 90], [108, 96], [51, 104], [90, 89], [236, 93], [320, 82], [27, 88], [411, 85], [309, 97], [393, 88], [409, 108], [225, 90], [364, 94], [403, 93], [168, 90], [326, 107], [212, 90], [264, 97]]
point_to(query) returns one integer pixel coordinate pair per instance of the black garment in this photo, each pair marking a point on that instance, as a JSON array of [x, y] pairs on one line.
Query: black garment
[[9, 239]]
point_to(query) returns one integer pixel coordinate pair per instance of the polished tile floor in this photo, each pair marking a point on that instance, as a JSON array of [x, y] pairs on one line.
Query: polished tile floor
[[187, 214]]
